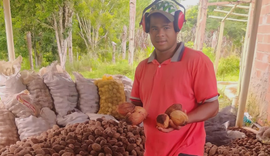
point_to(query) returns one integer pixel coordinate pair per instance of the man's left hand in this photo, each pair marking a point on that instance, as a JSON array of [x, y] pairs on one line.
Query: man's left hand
[[170, 129]]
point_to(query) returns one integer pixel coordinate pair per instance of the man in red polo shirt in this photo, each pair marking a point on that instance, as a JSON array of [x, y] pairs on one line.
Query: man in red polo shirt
[[174, 74]]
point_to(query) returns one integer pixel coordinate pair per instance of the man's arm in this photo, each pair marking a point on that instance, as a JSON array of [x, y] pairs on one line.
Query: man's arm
[[137, 103], [203, 112]]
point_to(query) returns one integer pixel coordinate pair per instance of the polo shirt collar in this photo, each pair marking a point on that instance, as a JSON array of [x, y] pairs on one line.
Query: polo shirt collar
[[176, 57]]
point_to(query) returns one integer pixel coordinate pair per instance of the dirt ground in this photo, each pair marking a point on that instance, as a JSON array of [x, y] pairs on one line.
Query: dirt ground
[[248, 146]]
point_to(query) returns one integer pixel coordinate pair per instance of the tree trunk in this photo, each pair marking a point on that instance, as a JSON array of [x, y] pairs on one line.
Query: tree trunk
[[61, 24], [35, 52], [201, 23], [29, 46], [214, 40], [124, 42], [70, 47], [113, 55], [132, 14]]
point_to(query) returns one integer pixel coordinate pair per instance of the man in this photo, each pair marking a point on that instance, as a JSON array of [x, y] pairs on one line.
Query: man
[[174, 74]]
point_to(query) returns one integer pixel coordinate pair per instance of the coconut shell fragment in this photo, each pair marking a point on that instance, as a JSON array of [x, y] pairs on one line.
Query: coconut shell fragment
[[137, 116], [125, 108], [173, 108], [163, 121]]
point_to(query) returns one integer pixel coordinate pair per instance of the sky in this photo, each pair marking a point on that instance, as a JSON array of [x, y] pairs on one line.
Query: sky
[[186, 3]]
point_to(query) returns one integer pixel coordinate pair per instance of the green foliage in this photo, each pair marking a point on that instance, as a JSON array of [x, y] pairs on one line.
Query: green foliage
[[109, 17], [228, 69], [209, 52], [189, 44], [91, 67]]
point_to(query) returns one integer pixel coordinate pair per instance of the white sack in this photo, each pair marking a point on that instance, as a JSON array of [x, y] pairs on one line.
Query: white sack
[[8, 129], [74, 117], [38, 90], [11, 67], [49, 116], [10, 85], [21, 105], [93, 116], [62, 89], [88, 94], [31, 126]]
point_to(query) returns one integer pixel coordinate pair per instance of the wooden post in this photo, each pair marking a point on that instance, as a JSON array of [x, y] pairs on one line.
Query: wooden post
[[221, 30], [244, 51], [220, 38], [9, 31], [124, 42], [29, 46], [132, 14], [249, 63], [201, 24]]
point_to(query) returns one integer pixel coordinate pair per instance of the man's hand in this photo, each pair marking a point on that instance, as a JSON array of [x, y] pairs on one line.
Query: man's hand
[[171, 128]]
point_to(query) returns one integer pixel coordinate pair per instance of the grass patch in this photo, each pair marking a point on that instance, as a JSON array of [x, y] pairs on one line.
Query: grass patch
[[95, 68], [223, 100]]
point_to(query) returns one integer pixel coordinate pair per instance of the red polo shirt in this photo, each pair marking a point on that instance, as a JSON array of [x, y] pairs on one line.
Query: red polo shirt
[[187, 78]]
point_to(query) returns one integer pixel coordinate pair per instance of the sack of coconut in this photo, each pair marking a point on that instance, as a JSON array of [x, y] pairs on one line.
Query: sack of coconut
[[31, 126], [73, 117], [88, 94], [49, 115], [11, 67], [38, 90], [21, 105], [10, 79], [62, 89], [127, 82], [8, 129], [111, 93]]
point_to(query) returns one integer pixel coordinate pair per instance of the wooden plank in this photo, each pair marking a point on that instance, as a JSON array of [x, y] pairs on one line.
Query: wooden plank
[[229, 12], [237, 14], [221, 31], [239, 6], [226, 3], [9, 31], [251, 130], [244, 51], [249, 64], [229, 19]]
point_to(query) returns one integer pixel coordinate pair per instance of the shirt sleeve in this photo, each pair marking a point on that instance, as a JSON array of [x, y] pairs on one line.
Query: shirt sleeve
[[135, 92], [205, 83]]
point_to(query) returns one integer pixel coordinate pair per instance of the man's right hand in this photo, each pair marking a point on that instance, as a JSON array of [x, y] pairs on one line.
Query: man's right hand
[[169, 129]]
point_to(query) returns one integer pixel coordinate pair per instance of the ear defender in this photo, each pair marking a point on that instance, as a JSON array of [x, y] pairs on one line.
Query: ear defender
[[179, 19], [145, 23]]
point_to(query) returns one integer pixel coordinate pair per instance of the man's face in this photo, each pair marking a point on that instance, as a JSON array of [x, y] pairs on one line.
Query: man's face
[[162, 33]]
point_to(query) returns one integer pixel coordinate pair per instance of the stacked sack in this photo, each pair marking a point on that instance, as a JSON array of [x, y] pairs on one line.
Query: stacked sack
[[28, 116], [88, 94], [64, 94], [111, 93], [8, 129], [39, 91], [127, 82], [17, 105], [10, 79]]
